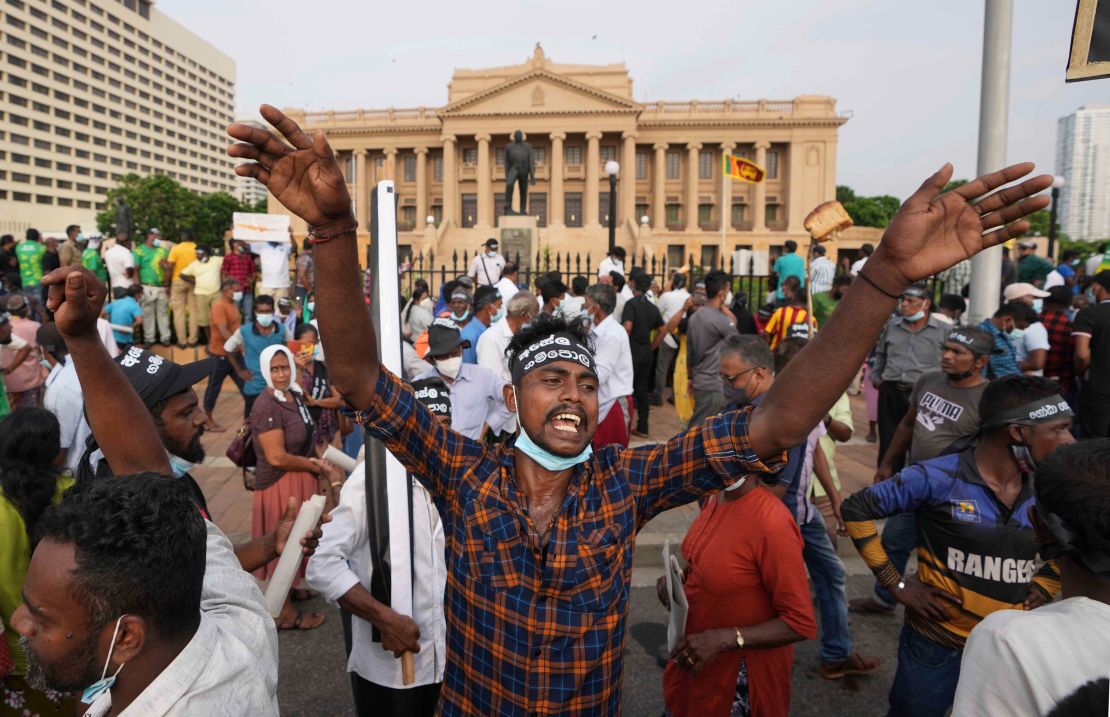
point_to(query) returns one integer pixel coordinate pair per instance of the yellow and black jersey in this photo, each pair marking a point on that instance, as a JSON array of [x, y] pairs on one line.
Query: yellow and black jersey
[[968, 543]]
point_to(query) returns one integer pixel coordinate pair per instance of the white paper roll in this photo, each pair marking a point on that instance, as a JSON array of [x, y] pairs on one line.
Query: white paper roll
[[341, 459], [291, 557]]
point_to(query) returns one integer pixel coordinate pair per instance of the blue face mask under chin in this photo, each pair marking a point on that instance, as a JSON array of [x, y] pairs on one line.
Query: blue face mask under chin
[[544, 457], [460, 317]]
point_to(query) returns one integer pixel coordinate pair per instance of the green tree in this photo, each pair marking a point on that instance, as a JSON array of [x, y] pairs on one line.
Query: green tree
[[155, 201], [213, 217], [953, 183], [874, 211]]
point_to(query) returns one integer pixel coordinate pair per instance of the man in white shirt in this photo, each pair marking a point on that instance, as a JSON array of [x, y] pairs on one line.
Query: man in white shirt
[[821, 271], [865, 252], [575, 299], [120, 263], [670, 303], [521, 309], [1021, 664], [506, 285], [611, 263], [274, 259], [487, 265], [64, 397], [341, 570], [613, 355]]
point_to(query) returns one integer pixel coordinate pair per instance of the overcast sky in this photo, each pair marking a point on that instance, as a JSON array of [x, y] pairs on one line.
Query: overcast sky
[[907, 73]]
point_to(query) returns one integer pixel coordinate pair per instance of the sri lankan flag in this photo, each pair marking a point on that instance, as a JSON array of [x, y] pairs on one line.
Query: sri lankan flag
[[740, 168]]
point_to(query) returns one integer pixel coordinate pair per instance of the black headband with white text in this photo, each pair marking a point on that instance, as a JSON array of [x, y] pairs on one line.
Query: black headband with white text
[[557, 347], [1051, 408]]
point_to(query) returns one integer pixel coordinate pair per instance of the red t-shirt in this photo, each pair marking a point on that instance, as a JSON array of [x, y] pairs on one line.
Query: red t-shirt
[[745, 568]]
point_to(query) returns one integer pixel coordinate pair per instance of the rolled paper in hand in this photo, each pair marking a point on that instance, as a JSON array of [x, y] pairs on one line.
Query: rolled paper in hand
[[291, 557], [341, 459]]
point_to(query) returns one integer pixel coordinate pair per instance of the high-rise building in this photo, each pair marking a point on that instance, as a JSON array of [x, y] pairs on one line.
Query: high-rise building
[[96, 89], [1083, 159], [248, 189]]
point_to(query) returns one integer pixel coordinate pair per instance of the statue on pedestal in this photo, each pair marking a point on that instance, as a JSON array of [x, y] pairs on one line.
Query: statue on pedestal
[[520, 168], [123, 218]]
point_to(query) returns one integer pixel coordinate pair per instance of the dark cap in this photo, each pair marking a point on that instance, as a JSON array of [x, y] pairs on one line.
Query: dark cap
[[434, 394], [919, 291], [972, 338], [155, 378], [444, 337], [491, 243], [485, 295]]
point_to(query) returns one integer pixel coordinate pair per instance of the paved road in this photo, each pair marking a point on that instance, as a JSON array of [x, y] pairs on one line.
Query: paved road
[[313, 679]]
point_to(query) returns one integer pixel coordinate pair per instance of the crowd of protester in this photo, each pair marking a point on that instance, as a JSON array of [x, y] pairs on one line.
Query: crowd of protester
[[522, 414]]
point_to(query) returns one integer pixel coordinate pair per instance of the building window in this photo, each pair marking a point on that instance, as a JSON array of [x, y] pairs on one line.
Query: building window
[[608, 152], [676, 256], [410, 169], [437, 213], [709, 256], [537, 207], [572, 214], [469, 210], [739, 215], [470, 156], [641, 165], [674, 216], [773, 213], [705, 165], [408, 219], [437, 168], [674, 161], [540, 155], [641, 211], [349, 174], [603, 208], [705, 216], [499, 156], [573, 154], [772, 164]]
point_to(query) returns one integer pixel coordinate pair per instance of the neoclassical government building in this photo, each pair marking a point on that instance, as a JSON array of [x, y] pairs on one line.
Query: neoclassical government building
[[448, 163]]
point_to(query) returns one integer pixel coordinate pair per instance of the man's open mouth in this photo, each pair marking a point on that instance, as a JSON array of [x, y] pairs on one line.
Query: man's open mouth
[[567, 422]]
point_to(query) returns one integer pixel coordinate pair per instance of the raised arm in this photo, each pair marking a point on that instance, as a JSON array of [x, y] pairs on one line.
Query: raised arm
[[304, 176], [931, 232], [132, 446]]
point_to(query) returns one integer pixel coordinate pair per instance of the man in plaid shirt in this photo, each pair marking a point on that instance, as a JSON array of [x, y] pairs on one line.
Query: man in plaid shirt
[[1059, 364], [541, 532], [240, 265]]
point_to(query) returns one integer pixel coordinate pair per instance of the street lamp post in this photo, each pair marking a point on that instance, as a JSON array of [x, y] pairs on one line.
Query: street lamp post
[[1057, 182], [613, 169]]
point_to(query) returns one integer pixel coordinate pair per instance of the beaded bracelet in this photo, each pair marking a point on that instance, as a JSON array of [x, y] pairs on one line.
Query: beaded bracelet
[[878, 288], [315, 237]]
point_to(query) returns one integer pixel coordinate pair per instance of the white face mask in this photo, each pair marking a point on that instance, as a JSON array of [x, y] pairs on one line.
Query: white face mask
[[449, 367], [237, 296]]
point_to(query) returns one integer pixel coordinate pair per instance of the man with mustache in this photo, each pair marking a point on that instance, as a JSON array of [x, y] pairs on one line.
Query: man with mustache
[[540, 533]]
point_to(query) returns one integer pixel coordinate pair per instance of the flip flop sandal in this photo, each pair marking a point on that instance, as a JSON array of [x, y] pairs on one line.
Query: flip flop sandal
[[298, 623]]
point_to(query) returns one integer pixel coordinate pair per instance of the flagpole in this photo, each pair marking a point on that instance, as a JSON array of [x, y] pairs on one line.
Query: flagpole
[[725, 213]]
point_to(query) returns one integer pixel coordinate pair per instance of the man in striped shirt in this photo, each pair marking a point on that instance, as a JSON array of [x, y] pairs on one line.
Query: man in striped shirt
[[821, 271], [778, 328]]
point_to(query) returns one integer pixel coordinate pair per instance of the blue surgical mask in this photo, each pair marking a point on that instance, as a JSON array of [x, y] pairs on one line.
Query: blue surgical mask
[[915, 317], [104, 683], [465, 315], [498, 316], [156, 243], [237, 296], [1038, 305], [178, 465], [45, 364], [311, 306], [544, 457], [264, 320]]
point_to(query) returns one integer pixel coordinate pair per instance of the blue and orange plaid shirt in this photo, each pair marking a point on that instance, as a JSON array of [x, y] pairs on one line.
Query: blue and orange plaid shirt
[[538, 630]]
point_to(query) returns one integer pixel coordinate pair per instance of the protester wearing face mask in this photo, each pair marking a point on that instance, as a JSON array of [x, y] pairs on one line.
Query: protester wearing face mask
[[417, 315], [486, 266], [519, 311], [1027, 294], [319, 395], [488, 310], [908, 347], [553, 296], [246, 345], [976, 549], [477, 395], [152, 264], [285, 315], [204, 276], [458, 307], [613, 355], [225, 322], [1064, 273], [1000, 326], [240, 264]]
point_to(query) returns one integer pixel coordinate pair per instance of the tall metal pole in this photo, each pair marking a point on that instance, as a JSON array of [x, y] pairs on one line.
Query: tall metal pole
[[613, 211], [1052, 224], [994, 99]]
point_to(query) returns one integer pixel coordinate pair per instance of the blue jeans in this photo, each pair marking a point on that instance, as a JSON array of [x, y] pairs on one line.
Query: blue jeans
[[925, 683], [827, 573], [899, 540], [246, 304]]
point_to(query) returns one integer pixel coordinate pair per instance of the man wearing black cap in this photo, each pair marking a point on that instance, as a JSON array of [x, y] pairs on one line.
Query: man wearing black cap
[[486, 266], [478, 393], [487, 311], [943, 414]]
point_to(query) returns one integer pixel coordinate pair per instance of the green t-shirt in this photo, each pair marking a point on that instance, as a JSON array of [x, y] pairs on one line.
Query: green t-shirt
[[823, 306], [148, 260], [30, 253], [1033, 268], [91, 260]]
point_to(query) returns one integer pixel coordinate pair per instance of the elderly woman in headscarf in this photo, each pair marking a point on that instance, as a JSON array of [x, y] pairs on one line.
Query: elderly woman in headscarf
[[282, 428]]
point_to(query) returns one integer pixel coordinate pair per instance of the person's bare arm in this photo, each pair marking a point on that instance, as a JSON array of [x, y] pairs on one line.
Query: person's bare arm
[[627, 327], [899, 444], [17, 361], [333, 400], [1082, 357], [132, 446], [931, 232], [670, 326], [307, 180], [824, 477], [273, 447], [1034, 361], [837, 430]]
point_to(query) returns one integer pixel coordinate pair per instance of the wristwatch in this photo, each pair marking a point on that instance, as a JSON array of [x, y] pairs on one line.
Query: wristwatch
[[739, 638], [900, 586]]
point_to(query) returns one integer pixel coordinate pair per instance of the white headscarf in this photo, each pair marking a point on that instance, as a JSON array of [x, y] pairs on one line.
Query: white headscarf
[[264, 360]]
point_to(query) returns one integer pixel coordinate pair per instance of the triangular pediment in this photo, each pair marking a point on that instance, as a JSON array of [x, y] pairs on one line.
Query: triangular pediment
[[539, 91]]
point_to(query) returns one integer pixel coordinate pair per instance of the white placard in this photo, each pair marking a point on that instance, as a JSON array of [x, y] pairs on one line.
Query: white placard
[[247, 226]]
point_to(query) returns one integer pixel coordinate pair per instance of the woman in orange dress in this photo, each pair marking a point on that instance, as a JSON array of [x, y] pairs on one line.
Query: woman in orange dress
[[746, 582]]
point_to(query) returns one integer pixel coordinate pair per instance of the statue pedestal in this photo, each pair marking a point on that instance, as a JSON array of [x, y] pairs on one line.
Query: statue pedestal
[[519, 235]]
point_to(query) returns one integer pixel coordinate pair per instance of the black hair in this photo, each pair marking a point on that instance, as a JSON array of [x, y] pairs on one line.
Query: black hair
[[228, 282], [1006, 393], [752, 350], [546, 325], [578, 285], [29, 443], [842, 280], [819, 249], [679, 280], [417, 294], [952, 302], [641, 282], [790, 246], [550, 289], [1074, 483], [1103, 279], [792, 281], [1009, 309], [71, 227], [618, 251], [450, 287], [139, 548], [303, 329], [510, 268], [6, 239], [787, 350], [716, 281], [867, 249], [260, 300], [1022, 311], [187, 234], [1068, 254], [33, 235], [135, 291], [1091, 698], [618, 280], [800, 296], [1059, 296]]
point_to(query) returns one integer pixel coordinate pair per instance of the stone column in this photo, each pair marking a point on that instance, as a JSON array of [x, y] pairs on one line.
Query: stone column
[[593, 171], [692, 150], [628, 179], [659, 188], [485, 196], [362, 195], [450, 183], [421, 187], [556, 205], [726, 189], [390, 163], [759, 212]]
